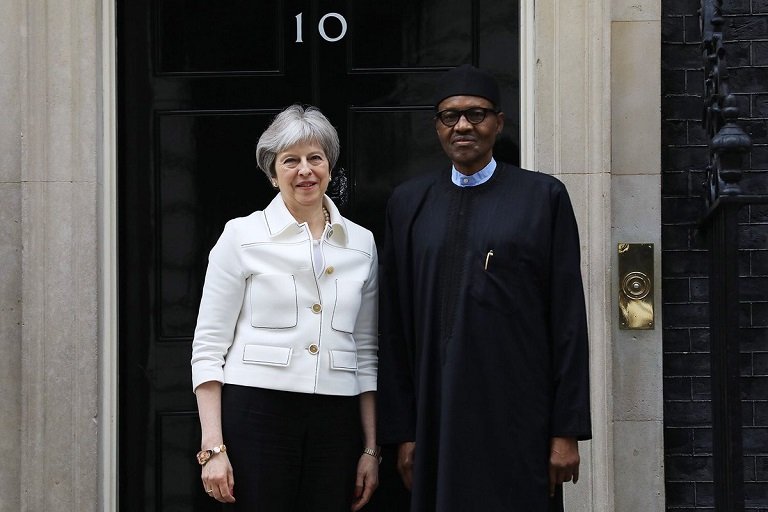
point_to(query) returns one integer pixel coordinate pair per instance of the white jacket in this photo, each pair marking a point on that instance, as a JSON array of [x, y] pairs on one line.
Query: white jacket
[[266, 321]]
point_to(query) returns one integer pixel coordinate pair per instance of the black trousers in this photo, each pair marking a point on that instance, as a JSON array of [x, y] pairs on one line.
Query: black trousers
[[291, 452]]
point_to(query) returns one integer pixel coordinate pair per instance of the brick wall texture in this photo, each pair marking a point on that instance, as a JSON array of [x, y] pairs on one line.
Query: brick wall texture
[[687, 407]]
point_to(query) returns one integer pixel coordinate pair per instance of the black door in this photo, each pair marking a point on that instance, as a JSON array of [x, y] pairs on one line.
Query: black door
[[199, 81]]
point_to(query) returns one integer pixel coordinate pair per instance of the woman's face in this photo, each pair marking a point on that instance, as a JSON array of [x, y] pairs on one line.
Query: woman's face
[[302, 175]]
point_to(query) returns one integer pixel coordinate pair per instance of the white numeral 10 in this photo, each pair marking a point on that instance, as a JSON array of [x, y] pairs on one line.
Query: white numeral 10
[[321, 27]]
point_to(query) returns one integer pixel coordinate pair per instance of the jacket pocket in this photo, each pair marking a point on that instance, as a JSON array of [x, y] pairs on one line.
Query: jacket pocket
[[348, 298], [273, 301], [492, 279], [344, 360], [264, 354]]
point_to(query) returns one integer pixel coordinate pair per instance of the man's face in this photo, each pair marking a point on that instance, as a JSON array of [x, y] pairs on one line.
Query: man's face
[[469, 146]]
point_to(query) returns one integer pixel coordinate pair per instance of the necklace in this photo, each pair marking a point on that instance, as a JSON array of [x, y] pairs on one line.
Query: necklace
[[327, 216]]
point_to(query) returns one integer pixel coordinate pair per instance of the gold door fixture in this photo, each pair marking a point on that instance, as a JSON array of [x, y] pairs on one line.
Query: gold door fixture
[[636, 286]]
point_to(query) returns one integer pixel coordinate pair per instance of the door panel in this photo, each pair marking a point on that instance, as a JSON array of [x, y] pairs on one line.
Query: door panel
[[199, 82], [199, 191], [373, 134], [178, 481], [430, 33], [229, 36]]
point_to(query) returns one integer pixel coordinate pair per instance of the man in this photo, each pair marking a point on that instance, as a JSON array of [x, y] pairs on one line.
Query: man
[[483, 364]]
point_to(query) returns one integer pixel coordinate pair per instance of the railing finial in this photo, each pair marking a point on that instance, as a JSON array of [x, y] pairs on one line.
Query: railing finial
[[728, 141]]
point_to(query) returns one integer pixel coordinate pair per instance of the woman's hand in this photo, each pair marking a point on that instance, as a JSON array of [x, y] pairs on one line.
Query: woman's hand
[[367, 480], [218, 480]]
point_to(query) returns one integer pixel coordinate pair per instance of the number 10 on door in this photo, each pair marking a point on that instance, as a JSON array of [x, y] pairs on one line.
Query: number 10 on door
[[321, 27]]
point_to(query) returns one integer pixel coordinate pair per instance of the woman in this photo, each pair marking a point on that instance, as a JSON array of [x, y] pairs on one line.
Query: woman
[[284, 356]]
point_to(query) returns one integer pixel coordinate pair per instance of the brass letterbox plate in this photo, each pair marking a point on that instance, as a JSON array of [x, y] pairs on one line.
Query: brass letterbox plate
[[636, 286]]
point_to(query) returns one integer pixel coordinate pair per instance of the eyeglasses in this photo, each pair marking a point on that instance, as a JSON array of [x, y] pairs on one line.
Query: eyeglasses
[[474, 115]]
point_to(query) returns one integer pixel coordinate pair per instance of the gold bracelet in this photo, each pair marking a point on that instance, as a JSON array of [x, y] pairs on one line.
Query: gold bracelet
[[203, 456], [373, 452]]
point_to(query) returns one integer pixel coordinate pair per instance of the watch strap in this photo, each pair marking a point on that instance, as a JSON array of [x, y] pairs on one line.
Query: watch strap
[[203, 456], [373, 452]]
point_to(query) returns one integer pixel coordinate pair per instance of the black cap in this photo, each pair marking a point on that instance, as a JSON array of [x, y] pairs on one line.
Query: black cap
[[467, 80]]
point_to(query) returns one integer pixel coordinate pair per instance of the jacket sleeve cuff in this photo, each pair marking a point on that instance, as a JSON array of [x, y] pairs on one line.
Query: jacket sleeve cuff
[[576, 425], [367, 384], [202, 374]]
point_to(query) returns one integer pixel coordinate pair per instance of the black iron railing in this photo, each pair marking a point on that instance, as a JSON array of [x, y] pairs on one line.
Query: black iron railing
[[729, 143], [728, 146]]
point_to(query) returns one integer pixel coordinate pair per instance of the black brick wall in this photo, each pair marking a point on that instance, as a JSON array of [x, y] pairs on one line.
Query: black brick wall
[[687, 407]]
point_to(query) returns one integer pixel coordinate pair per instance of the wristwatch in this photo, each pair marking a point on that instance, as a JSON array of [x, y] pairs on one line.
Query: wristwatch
[[203, 456], [373, 452]]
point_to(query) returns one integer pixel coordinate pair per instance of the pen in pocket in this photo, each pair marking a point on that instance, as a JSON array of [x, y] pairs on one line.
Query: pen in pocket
[[488, 258]]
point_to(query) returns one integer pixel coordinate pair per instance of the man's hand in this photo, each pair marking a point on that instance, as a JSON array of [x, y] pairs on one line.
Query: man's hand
[[405, 455], [563, 461]]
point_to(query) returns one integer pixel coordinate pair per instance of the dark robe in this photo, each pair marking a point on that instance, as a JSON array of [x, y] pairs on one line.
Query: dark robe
[[482, 366]]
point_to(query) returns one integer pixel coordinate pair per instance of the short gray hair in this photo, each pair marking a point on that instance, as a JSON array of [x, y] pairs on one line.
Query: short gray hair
[[294, 125]]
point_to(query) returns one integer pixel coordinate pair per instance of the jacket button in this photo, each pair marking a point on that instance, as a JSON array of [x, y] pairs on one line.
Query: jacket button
[[313, 349], [317, 308], [329, 270]]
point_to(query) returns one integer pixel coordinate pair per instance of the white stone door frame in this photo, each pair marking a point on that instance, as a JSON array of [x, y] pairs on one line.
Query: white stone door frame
[[565, 100], [108, 283], [594, 106], [530, 75]]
